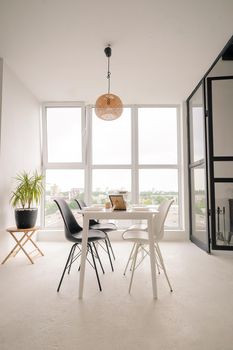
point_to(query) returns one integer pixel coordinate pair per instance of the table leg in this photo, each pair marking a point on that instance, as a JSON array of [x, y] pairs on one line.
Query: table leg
[[83, 255], [152, 257]]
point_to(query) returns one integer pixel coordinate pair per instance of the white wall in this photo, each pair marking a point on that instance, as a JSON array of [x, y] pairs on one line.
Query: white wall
[[20, 147], [1, 74]]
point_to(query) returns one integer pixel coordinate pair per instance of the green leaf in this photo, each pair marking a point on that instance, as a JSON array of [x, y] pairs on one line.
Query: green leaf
[[29, 189]]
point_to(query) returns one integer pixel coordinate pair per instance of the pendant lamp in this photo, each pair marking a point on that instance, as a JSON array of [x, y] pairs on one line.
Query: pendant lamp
[[108, 106]]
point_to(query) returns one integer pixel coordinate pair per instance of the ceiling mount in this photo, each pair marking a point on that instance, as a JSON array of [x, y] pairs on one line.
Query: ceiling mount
[[108, 51]]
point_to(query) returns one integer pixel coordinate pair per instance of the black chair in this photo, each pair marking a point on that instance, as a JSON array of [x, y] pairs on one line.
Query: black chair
[[73, 233], [96, 225]]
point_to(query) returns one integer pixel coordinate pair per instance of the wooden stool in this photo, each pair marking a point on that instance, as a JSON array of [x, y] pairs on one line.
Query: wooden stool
[[26, 236]]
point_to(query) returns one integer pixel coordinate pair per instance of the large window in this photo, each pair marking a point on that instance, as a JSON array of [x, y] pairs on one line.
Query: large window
[[157, 135], [65, 183], [111, 156], [158, 159], [155, 186], [63, 127], [107, 181], [136, 154], [112, 140], [64, 134]]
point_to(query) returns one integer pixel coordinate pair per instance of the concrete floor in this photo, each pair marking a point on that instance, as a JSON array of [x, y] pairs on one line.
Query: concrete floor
[[197, 315]]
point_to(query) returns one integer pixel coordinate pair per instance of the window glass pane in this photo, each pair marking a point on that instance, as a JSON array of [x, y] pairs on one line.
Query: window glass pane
[[156, 185], [107, 181], [64, 134], [198, 133], [68, 184], [157, 132], [199, 224], [197, 119], [111, 140]]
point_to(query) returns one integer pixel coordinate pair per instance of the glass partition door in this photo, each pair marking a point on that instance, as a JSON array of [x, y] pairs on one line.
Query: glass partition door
[[199, 224], [220, 106]]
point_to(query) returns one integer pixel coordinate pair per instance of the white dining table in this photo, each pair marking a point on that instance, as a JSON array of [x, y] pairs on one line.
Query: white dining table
[[109, 214]]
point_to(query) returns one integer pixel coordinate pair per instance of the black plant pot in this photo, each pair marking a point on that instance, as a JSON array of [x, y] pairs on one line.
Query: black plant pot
[[25, 218]]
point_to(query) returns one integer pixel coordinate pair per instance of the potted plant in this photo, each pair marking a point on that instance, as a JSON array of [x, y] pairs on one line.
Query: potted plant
[[28, 191]]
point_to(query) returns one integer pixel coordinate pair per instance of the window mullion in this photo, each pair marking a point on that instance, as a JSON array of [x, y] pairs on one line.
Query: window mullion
[[134, 148], [88, 159]]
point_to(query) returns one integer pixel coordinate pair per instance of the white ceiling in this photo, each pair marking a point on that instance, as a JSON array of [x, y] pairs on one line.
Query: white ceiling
[[160, 48]]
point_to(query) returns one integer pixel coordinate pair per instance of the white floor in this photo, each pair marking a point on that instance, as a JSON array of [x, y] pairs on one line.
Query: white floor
[[197, 315]]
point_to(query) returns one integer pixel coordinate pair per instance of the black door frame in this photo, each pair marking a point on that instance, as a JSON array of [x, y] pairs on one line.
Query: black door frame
[[212, 179], [202, 81], [204, 162]]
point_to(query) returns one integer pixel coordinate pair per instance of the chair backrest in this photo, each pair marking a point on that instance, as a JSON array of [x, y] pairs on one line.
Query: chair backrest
[[160, 218], [71, 225], [82, 205]]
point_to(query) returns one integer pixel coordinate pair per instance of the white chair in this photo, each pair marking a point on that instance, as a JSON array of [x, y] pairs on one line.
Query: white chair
[[139, 236]]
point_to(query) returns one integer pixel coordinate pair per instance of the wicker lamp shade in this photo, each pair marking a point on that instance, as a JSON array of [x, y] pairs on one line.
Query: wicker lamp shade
[[108, 107]]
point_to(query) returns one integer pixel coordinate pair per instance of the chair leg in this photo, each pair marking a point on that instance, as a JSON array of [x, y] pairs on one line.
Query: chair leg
[[67, 262], [110, 245], [109, 256], [134, 264], [131, 265], [157, 265], [163, 266], [97, 276], [71, 259], [157, 260], [97, 254], [130, 257]]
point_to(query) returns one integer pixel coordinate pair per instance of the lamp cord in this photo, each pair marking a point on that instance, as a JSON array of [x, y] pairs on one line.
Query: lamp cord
[[108, 75]]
